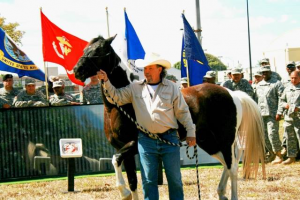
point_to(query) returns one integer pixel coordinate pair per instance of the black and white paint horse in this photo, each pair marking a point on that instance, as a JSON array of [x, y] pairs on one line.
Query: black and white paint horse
[[227, 123]]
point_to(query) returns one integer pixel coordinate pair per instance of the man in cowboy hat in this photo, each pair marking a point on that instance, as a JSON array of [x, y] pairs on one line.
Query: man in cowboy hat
[[158, 104]]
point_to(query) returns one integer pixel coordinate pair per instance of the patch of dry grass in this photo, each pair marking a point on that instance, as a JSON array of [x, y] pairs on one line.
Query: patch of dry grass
[[283, 182]]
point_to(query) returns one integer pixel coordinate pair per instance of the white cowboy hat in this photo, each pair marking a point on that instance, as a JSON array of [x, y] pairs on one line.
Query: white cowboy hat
[[152, 59]]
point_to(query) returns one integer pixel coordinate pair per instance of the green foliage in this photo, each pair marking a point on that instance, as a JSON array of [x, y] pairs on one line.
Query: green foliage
[[177, 65], [11, 30], [214, 63]]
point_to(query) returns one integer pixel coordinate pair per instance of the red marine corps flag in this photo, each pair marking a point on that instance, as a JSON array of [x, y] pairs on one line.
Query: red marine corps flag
[[61, 47]]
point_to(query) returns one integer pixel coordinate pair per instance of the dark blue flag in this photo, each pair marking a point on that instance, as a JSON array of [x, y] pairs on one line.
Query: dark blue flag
[[135, 49], [192, 56], [13, 59]]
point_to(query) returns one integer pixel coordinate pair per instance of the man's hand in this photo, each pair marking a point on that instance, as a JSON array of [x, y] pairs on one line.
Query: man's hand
[[191, 141], [75, 103], [287, 106], [102, 75], [278, 117], [6, 105]]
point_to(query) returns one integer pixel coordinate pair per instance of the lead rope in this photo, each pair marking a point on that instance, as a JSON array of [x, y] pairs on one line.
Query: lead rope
[[155, 136]]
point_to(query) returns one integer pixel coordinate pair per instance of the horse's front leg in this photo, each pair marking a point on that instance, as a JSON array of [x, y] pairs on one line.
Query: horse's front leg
[[124, 192], [126, 154]]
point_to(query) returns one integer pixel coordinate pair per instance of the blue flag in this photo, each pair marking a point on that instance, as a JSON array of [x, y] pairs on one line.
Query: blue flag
[[192, 56], [14, 60], [135, 49]]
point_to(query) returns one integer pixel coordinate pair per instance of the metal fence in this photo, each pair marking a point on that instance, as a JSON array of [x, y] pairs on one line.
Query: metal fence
[[29, 140]]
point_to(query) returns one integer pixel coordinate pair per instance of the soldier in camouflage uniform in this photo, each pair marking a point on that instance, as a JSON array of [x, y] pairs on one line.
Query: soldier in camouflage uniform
[[238, 83], [30, 97], [290, 105], [91, 93], [275, 75], [7, 93], [267, 95], [210, 77], [257, 78], [290, 67], [60, 98]]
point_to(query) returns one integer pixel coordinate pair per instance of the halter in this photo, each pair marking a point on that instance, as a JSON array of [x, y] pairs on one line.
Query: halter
[[110, 51], [155, 136]]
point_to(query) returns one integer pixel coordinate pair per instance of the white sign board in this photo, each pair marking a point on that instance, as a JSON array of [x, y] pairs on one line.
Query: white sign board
[[70, 147]]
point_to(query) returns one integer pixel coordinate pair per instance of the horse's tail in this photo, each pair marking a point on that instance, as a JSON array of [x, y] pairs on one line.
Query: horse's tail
[[251, 136]]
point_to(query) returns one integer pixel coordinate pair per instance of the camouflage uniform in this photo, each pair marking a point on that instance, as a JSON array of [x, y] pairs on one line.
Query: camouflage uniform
[[267, 96], [7, 97], [276, 76], [25, 100], [91, 94], [61, 100], [243, 85], [291, 96]]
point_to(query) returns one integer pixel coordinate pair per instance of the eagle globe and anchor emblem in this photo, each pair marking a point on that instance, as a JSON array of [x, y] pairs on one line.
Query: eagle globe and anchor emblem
[[65, 48]]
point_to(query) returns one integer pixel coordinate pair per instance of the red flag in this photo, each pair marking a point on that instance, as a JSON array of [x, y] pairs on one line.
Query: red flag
[[61, 47]]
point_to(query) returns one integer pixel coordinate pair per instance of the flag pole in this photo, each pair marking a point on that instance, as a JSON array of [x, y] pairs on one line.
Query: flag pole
[[107, 22], [46, 73], [128, 61], [187, 63]]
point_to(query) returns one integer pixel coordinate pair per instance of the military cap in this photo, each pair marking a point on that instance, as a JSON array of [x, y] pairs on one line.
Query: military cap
[[297, 64], [258, 73], [264, 60], [58, 83], [210, 74], [236, 71], [265, 68], [291, 64], [183, 80], [6, 76], [53, 78], [29, 81]]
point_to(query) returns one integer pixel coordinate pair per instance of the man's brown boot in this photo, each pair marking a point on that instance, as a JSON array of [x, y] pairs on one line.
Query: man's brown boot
[[289, 161], [270, 156], [278, 158]]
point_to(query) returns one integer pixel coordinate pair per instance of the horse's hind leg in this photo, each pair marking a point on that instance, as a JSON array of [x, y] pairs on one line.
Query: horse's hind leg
[[126, 154], [224, 179]]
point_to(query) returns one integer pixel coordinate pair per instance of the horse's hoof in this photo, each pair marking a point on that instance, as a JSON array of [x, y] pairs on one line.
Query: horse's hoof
[[129, 197]]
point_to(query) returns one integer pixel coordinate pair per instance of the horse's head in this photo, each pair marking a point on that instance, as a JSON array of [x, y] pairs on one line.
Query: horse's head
[[97, 55]]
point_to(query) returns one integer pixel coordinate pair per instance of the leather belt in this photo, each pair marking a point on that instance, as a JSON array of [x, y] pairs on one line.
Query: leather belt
[[159, 134]]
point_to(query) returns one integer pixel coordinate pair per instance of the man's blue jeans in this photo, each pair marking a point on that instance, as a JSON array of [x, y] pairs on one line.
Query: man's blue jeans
[[150, 151]]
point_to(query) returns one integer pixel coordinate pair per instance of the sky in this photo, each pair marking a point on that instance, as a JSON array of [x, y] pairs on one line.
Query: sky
[[158, 23]]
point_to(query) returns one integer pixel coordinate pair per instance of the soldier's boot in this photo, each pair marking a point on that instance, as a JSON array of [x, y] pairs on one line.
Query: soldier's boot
[[289, 161], [270, 156], [278, 158], [283, 151]]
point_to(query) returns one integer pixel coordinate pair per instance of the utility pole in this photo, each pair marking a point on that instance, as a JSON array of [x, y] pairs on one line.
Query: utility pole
[[198, 30], [249, 42]]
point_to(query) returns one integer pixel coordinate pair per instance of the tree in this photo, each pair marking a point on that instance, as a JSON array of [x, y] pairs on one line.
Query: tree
[[11, 30], [214, 63]]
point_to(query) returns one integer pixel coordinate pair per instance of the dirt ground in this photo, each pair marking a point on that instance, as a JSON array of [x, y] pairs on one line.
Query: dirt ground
[[283, 182]]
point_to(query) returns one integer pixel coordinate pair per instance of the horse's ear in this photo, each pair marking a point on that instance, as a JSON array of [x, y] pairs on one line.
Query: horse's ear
[[109, 40]]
